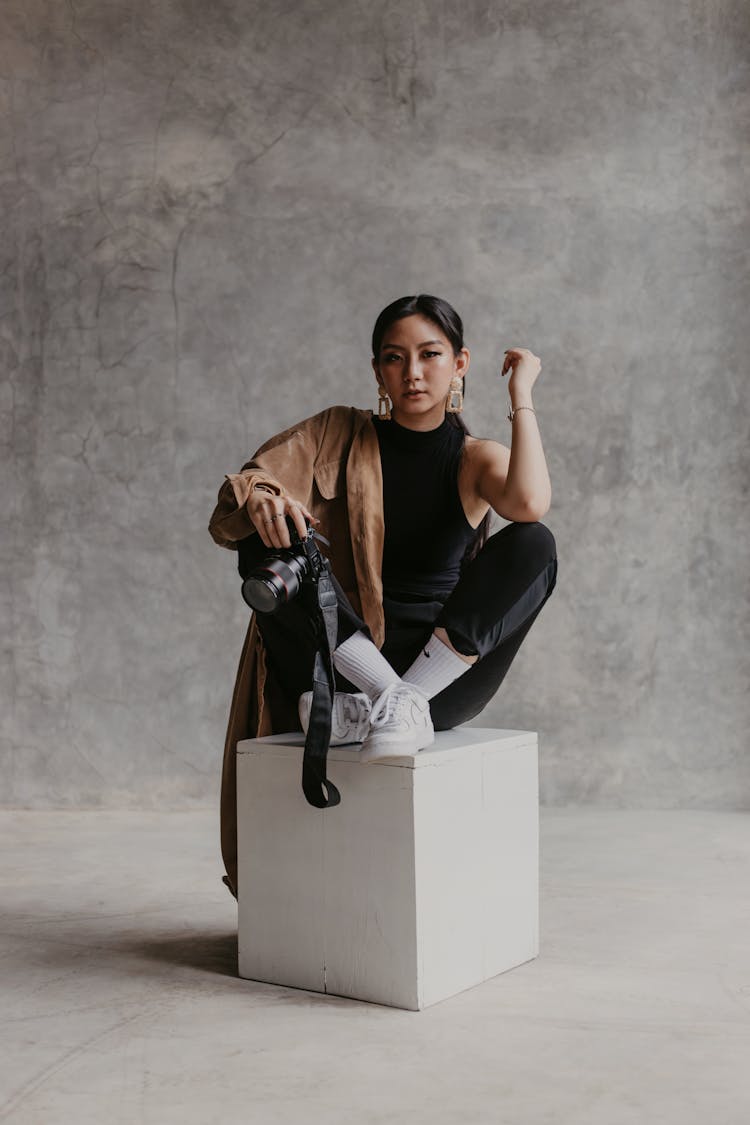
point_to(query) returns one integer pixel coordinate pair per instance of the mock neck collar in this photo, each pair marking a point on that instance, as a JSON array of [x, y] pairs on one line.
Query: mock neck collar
[[412, 439]]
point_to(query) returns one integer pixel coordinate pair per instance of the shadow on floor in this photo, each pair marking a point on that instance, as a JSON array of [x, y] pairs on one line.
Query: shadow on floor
[[218, 954], [215, 953]]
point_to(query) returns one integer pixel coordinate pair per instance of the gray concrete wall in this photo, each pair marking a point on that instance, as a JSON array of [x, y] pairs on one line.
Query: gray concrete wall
[[204, 207]]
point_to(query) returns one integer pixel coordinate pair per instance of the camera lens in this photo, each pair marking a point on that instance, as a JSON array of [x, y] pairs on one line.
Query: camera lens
[[271, 585]]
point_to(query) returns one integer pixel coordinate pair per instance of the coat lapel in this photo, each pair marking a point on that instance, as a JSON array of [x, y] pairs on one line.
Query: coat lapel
[[364, 488]]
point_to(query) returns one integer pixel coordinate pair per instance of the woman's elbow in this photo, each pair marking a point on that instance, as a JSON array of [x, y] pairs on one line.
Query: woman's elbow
[[534, 510], [518, 510]]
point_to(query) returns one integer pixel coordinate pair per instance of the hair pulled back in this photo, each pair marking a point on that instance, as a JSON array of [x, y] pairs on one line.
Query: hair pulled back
[[434, 309], [445, 317]]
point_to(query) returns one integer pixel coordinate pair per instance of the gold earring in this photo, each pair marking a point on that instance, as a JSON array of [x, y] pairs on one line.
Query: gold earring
[[455, 403], [384, 404]]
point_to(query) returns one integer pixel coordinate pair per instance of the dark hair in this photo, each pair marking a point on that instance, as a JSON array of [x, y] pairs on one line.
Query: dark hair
[[445, 317]]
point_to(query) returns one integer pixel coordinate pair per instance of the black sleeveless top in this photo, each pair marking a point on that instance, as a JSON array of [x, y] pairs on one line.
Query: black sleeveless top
[[426, 529]]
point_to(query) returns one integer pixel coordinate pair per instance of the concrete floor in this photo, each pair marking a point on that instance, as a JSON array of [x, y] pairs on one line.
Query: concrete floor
[[120, 1000]]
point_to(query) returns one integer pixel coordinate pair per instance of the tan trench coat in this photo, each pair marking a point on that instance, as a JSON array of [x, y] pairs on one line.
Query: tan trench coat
[[331, 463]]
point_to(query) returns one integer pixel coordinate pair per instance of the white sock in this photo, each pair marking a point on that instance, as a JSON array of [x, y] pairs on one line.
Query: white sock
[[435, 667], [363, 663]]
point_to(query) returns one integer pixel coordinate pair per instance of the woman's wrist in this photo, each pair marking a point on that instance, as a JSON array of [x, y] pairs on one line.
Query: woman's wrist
[[520, 403], [521, 398]]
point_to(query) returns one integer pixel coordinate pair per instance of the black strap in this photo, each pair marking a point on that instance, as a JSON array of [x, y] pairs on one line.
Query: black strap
[[318, 790]]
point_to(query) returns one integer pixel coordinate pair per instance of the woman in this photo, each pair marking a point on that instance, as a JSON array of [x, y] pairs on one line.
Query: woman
[[431, 610]]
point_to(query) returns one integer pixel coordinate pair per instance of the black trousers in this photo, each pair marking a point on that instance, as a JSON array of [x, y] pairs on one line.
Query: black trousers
[[489, 612]]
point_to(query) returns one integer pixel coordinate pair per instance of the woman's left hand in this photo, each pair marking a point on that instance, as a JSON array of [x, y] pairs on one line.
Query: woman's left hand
[[524, 369]]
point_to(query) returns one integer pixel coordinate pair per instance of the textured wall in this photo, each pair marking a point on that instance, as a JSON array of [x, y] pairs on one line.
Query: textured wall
[[205, 205]]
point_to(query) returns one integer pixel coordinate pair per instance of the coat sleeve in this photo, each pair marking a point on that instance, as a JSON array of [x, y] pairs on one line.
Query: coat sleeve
[[283, 465]]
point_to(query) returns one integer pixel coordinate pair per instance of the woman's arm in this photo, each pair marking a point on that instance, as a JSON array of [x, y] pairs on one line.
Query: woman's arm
[[230, 520], [515, 482], [278, 481], [280, 470]]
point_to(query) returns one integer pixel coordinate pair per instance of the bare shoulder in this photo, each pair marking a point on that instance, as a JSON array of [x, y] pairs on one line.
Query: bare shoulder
[[484, 469], [484, 454]]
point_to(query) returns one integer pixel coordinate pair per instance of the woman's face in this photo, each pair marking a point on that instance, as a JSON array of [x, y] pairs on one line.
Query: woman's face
[[416, 365]]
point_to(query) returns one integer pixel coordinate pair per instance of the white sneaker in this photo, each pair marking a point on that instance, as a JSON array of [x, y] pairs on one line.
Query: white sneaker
[[350, 716], [400, 723]]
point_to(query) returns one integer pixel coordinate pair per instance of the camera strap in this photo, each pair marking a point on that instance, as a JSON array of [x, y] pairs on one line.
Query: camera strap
[[318, 790]]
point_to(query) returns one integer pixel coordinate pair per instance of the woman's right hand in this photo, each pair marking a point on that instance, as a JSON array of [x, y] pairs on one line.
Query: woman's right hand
[[268, 513]]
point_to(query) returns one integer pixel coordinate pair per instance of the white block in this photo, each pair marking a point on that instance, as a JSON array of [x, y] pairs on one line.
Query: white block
[[423, 882]]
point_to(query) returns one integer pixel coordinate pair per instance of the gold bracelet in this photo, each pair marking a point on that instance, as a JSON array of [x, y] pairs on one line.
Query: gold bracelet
[[512, 412]]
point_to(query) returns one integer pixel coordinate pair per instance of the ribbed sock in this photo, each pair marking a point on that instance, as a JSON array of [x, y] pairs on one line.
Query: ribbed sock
[[364, 665], [435, 667]]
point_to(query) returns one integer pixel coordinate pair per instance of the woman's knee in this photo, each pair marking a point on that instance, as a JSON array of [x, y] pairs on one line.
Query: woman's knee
[[518, 553], [533, 539], [539, 535], [542, 545]]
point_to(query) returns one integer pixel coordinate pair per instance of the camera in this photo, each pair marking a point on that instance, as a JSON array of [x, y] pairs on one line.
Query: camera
[[271, 578], [276, 578]]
